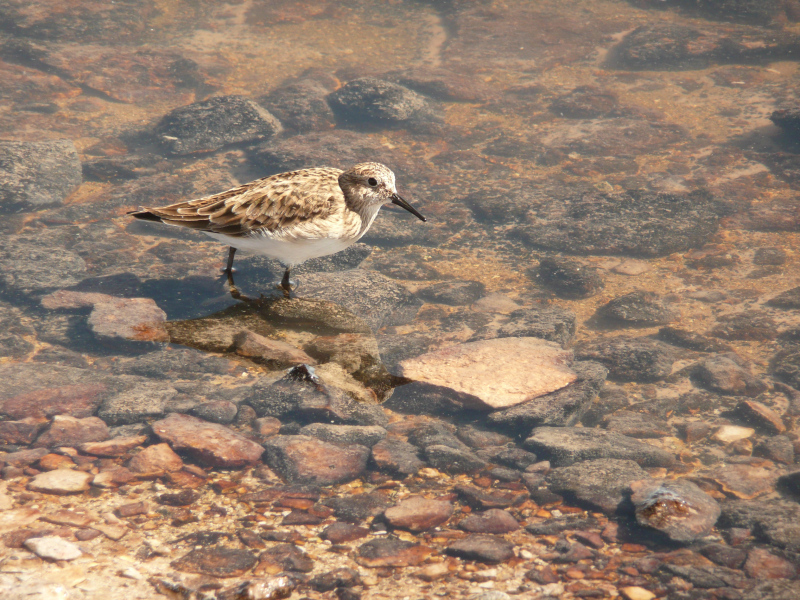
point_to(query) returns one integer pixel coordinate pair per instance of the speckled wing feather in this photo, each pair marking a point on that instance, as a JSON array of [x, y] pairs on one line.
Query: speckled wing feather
[[272, 203]]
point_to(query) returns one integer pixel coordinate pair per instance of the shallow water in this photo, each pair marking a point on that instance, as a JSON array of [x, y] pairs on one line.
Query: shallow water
[[605, 175]]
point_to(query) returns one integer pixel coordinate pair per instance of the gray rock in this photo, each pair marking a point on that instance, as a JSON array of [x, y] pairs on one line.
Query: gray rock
[[370, 101], [630, 359], [639, 309], [176, 363], [632, 224], [452, 460], [142, 402], [637, 425], [602, 484], [12, 330], [769, 255], [785, 365], [454, 293], [565, 446], [549, 323], [47, 264], [215, 123], [779, 589], [303, 395], [36, 175], [494, 520], [690, 340], [355, 508], [675, 507], [562, 408], [777, 522], [481, 438], [482, 548], [568, 278], [301, 105], [397, 456], [436, 433], [345, 434], [219, 411], [380, 300], [778, 448]]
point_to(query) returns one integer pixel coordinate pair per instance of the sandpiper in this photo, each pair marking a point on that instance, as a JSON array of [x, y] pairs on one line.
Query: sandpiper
[[292, 216]]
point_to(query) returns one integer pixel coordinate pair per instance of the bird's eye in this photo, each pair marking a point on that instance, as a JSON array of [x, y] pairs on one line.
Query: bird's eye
[[372, 181]]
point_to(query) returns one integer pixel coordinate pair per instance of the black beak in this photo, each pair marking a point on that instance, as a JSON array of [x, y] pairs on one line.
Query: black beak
[[400, 202]]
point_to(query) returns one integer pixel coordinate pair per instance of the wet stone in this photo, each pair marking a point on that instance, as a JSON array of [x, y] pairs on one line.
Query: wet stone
[[284, 557], [300, 105], [389, 552], [638, 309], [113, 447], [436, 433], [155, 461], [562, 408], [48, 265], [219, 411], [494, 520], [210, 443], [725, 556], [452, 460], [418, 514], [304, 459], [482, 548], [677, 508], [481, 438], [215, 123], [69, 431], [638, 224], [746, 326], [37, 175], [397, 456], [494, 373], [358, 508], [742, 480], [690, 340], [273, 353], [565, 446], [481, 498], [785, 366], [345, 434], [569, 278], [774, 522], [778, 448], [549, 323], [216, 562], [339, 579], [631, 359], [369, 101], [790, 299], [140, 403], [60, 481], [760, 416], [23, 431], [637, 425], [23, 458], [322, 394], [769, 256], [601, 484], [339, 533], [453, 293], [586, 102], [762, 564], [51, 547]]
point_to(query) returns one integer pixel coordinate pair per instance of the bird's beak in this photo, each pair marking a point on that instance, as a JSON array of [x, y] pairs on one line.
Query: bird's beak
[[396, 199]]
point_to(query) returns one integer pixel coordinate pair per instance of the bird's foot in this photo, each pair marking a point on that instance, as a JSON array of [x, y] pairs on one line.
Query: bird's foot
[[287, 287]]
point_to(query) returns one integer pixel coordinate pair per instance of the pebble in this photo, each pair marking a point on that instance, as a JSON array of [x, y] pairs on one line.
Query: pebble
[[726, 375], [551, 323], [222, 412], [273, 353], [453, 293], [631, 359], [305, 459], [762, 564], [633, 592], [728, 434], [60, 481], [216, 562], [371, 101], [494, 520], [387, 552], [210, 443], [482, 548], [677, 508], [418, 514], [339, 533], [367, 435], [452, 460], [21, 432], [140, 403], [52, 547], [114, 447], [496, 373], [761, 416]]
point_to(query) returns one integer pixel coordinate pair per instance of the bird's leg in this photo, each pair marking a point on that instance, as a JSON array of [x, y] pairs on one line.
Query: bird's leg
[[286, 285], [229, 269]]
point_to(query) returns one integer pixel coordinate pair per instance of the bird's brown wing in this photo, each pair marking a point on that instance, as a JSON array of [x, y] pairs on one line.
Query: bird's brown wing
[[272, 203]]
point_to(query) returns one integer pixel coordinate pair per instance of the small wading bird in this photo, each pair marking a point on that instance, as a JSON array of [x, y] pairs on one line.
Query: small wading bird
[[292, 216]]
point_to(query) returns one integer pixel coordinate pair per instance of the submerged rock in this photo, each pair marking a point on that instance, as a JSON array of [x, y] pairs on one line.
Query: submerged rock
[[601, 484], [371, 101], [493, 373], [304, 459], [212, 124], [37, 175], [677, 508], [636, 223], [565, 446], [631, 359], [569, 278], [639, 309]]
